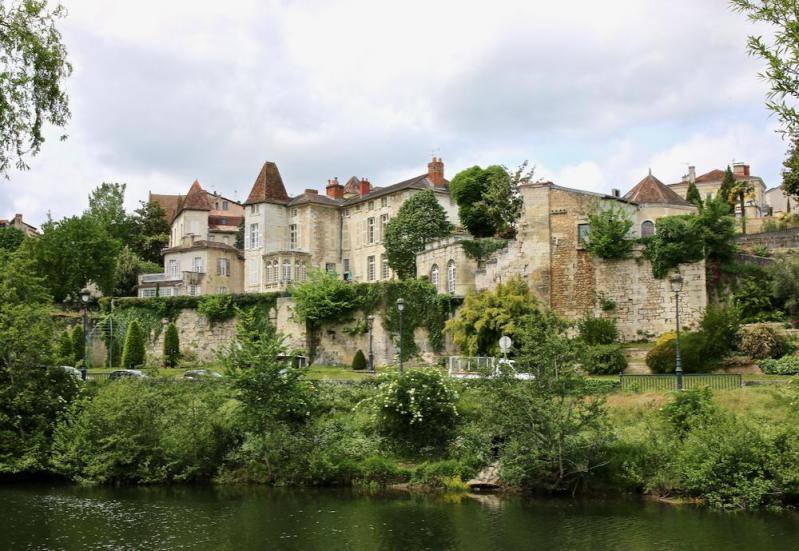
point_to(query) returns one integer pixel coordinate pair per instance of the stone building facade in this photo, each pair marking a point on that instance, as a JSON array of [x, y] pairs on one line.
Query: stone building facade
[[708, 184], [341, 231]]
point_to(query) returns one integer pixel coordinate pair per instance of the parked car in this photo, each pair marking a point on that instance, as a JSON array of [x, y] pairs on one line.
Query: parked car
[[127, 373], [198, 374]]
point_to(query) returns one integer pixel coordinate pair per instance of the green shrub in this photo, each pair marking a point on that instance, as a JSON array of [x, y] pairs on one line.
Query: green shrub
[[359, 361], [171, 346], [598, 330], [760, 342], [78, 344], [661, 358], [417, 408], [216, 308], [381, 471], [787, 365], [135, 431], [720, 325], [752, 297], [447, 474], [689, 409], [133, 354], [608, 233], [604, 359], [66, 350]]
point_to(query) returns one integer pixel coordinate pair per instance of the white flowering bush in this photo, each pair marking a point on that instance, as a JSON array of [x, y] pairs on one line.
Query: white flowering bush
[[417, 408]]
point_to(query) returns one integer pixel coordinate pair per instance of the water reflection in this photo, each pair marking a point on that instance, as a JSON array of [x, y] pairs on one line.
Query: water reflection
[[239, 518]]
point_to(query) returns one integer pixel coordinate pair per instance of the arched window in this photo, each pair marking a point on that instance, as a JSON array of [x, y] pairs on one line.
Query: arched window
[[647, 228], [275, 271], [451, 276], [434, 276], [287, 270], [268, 272]]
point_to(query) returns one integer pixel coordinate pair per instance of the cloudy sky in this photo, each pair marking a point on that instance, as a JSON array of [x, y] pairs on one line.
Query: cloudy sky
[[592, 93]]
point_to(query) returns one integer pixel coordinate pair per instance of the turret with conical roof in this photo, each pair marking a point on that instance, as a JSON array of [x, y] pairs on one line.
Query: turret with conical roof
[[268, 186], [650, 190]]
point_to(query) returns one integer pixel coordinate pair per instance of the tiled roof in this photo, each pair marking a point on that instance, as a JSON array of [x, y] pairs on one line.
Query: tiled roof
[[353, 185], [314, 198], [418, 182], [651, 190], [169, 203], [268, 186], [196, 199], [204, 244]]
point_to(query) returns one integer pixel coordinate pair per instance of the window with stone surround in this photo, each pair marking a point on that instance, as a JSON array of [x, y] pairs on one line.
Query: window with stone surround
[[293, 236], [370, 230], [383, 202], [370, 268], [385, 273], [647, 228], [451, 276], [582, 233], [255, 236], [286, 270], [383, 226], [434, 276]]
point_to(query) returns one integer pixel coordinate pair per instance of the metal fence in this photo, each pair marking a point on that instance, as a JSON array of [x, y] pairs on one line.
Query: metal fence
[[668, 381], [470, 365]]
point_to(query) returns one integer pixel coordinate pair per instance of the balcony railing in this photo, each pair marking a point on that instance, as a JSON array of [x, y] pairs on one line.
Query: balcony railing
[[188, 278]]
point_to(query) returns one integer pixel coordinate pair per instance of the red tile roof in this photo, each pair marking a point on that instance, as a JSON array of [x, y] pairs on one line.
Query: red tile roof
[[196, 199], [268, 186], [652, 190]]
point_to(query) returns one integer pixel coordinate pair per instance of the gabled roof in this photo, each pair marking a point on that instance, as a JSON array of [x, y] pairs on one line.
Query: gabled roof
[[314, 198], [169, 203], [196, 199], [418, 182], [651, 190], [268, 186]]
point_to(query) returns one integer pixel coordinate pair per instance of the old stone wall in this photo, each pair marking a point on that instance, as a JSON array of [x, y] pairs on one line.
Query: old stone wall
[[775, 240], [337, 343]]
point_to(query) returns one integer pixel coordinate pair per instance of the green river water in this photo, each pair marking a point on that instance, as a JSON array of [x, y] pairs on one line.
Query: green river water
[[69, 517]]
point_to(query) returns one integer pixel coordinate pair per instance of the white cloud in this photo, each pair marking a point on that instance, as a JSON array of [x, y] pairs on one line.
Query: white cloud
[[595, 93]]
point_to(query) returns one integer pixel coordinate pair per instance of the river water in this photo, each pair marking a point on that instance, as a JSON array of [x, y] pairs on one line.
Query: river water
[[214, 518]]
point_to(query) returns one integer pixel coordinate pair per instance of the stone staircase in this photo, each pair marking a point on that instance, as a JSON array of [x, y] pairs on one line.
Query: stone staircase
[[636, 361]]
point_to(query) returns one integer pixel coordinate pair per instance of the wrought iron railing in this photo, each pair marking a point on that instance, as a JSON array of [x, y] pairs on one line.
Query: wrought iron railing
[[668, 381]]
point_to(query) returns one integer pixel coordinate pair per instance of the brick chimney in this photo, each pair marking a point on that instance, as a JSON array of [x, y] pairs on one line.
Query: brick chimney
[[309, 191], [435, 171], [18, 218], [740, 169], [334, 189], [364, 187]]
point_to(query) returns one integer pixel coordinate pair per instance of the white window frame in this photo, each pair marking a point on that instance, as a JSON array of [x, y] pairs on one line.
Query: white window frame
[[385, 272], [286, 273], [294, 234], [174, 267], [451, 276], [194, 290], [370, 230], [197, 264], [255, 236], [148, 293], [383, 202], [370, 268], [435, 276]]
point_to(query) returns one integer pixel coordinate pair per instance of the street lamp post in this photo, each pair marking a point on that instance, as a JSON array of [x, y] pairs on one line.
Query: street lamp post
[[85, 295], [400, 308], [369, 323], [676, 287]]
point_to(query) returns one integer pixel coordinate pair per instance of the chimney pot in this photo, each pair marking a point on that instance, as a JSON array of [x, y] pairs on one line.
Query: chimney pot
[[365, 187]]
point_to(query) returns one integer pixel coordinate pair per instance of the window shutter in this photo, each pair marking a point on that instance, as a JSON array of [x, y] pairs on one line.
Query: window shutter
[[218, 266], [246, 236]]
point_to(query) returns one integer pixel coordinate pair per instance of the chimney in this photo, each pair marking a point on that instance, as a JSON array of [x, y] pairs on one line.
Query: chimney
[[615, 192], [435, 171], [309, 191], [365, 187], [691, 173], [18, 217], [740, 169], [334, 189]]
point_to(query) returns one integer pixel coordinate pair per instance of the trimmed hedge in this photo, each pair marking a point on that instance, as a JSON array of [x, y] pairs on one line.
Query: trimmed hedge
[[133, 355], [662, 358], [604, 359]]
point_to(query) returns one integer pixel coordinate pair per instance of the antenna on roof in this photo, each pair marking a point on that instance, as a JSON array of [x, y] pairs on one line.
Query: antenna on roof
[[650, 172]]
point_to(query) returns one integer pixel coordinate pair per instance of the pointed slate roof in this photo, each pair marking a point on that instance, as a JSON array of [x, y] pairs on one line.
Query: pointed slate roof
[[652, 190], [353, 185], [196, 199], [268, 186]]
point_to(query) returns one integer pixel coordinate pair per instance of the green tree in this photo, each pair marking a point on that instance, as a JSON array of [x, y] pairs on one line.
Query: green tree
[[488, 315], [482, 194], [503, 199], [608, 234], [790, 173], [171, 346], [740, 190], [11, 239], [149, 231], [419, 220], [785, 284], [323, 297], [717, 230], [240, 235], [66, 350], [34, 70], [133, 353], [692, 195], [75, 251], [128, 268], [26, 328], [78, 344], [726, 189], [677, 240], [781, 55], [107, 206]]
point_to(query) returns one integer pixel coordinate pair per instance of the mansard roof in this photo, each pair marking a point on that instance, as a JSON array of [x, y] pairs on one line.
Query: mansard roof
[[268, 186], [195, 199], [651, 190]]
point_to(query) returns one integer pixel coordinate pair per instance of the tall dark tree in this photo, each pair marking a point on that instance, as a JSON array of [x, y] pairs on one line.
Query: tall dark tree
[[76, 251], [419, 220], [107, 206], [488, 199], [150, 231], [33, 70], [727, 186], [128, 268], [693, 196], [11, 239]]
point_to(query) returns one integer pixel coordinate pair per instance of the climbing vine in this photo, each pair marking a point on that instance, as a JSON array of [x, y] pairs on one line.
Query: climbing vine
[[480, 249]]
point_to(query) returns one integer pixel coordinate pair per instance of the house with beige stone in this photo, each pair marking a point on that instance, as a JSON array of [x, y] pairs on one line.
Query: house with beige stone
[[201, 257], [18, 223], [708, 184]]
